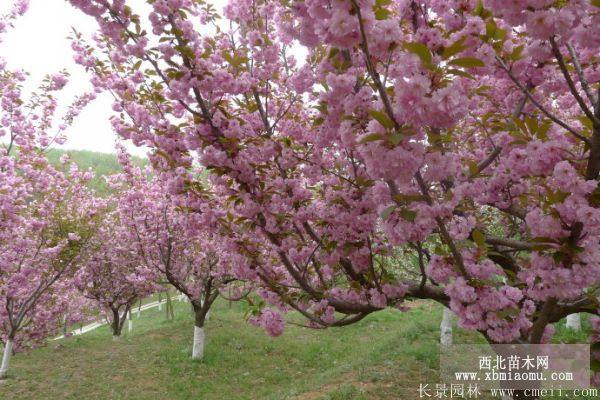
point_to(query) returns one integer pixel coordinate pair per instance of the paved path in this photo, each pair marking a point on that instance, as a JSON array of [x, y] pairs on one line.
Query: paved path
[[98, 324]]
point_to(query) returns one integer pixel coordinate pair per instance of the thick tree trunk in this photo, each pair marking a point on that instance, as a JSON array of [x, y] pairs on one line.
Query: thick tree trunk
[[198, 347], [574, 322], [200, 317], [446, 328], [170, 312], [118, 321], [8, 349]]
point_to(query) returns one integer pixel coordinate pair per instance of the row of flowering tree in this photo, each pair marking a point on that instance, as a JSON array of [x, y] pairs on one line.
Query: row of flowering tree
[[175, 236], [446, 150], [47, 214], [63, 247]]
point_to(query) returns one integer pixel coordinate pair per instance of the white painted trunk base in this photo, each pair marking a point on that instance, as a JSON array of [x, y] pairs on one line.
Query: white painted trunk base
[[198, 348], [116, 337], [574, 322], [6, 358], [446, 328], [129, 325], [159, 305]]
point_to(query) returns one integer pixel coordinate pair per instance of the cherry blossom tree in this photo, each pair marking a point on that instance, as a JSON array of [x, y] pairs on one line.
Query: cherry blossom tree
[[113, 274], [181, 246], [47, 214], [376, 151]]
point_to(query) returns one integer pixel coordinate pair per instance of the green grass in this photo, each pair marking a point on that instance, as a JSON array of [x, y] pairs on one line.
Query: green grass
[[385, 356]]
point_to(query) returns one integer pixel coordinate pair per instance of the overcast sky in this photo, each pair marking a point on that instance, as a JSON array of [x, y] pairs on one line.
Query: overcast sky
[[39, 45]]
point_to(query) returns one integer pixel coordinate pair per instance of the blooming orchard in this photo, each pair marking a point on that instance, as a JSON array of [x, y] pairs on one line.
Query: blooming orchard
[[359, 153], [447, 150]]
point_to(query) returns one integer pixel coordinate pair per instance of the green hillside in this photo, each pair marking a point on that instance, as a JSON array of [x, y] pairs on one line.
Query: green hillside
[[101, 163]]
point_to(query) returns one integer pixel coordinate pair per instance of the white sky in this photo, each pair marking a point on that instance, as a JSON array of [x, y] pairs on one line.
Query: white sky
[[38, 44]]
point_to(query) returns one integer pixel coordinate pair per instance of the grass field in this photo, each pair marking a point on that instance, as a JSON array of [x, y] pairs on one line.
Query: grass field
[[385, 356]]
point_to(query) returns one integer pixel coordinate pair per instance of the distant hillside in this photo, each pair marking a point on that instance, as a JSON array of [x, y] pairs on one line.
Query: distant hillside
[[101, 163]]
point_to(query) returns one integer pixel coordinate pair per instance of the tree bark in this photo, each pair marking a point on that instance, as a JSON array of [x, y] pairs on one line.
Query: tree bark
[[8, 347], [170, 312], [200, 317], [574, 322], [118, 321], [446, 328]]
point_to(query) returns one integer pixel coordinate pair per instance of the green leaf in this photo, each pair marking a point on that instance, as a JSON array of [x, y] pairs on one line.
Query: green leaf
[[478, 10], [516, 53], [387, 212], [408, 198], [454, 48], [317, 121], [543, 130], [586, 122], [473, 167], [559, 256], [370, 138], [554, 197], [420, 50], [382, 118], [520, 124], [532, 124], [395, 138], [185, 51], [467, 62], [408, 215], [460, 73], [381, 14], [490, 28], [439, 251], [479, 239]]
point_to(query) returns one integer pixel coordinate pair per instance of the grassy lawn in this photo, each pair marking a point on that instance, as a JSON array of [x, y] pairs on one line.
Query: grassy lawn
[[385, 356]]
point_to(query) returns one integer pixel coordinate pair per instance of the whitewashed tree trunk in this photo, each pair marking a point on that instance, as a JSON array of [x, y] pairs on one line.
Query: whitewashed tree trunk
[[6, 358], [446, 328], [116, 338], [159, 305], [129, 323], [198, 347], [574, 322]]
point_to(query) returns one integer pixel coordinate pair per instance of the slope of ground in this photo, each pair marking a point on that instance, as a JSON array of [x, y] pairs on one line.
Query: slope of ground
[[385, 356]]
